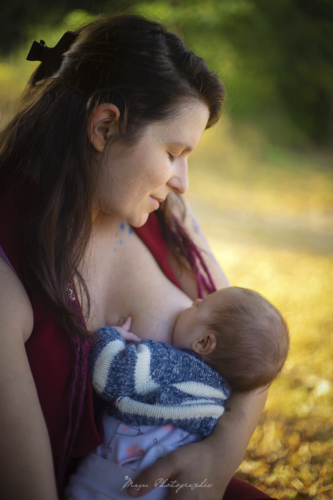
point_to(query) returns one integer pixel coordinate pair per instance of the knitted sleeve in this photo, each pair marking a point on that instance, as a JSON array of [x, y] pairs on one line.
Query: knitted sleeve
[[112, 364], [153, 383], [120, 369]]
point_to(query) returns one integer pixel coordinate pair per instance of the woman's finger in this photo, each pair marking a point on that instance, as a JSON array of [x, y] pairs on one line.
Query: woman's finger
[[187, 473], [157, 474]]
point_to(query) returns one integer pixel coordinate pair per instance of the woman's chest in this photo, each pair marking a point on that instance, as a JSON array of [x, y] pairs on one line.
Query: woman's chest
[[125, 280]]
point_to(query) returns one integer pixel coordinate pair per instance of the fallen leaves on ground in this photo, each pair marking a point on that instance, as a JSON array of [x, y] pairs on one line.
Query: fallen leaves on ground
[[291, 459]]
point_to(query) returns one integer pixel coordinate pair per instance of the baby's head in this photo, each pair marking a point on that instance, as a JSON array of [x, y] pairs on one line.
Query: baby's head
[[238, 333]]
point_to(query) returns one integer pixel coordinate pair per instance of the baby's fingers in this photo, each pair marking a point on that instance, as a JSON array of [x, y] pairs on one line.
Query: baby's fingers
[[131, 337], [125, 323], [128, 336]]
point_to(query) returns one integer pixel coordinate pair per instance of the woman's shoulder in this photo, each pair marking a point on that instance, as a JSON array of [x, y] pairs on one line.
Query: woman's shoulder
[[16, 313]]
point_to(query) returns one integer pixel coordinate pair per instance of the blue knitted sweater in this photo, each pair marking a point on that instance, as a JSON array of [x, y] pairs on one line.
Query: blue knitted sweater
[[154, 383]]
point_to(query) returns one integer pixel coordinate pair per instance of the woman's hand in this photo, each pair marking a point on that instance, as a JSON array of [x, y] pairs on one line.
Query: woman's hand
[[213, 460], [192, 472]]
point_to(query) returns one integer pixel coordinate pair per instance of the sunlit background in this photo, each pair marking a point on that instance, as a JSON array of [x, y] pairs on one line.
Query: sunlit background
[[261, 183]]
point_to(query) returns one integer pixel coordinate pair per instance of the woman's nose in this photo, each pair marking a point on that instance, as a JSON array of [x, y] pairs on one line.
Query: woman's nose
[[179, 180]]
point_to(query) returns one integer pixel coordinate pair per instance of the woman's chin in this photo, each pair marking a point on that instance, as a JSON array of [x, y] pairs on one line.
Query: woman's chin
[[139, 221]]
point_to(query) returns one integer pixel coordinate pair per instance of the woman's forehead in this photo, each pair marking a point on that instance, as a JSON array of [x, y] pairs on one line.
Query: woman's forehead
[[185, 128]]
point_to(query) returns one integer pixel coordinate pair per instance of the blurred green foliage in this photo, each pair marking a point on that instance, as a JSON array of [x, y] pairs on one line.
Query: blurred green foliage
[[275, 57]]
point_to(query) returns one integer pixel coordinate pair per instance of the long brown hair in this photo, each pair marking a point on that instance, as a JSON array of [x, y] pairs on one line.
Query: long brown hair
[[129, 61]]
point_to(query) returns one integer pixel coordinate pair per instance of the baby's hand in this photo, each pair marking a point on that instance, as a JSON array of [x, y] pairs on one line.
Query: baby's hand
[[123, 328], [125, 323]]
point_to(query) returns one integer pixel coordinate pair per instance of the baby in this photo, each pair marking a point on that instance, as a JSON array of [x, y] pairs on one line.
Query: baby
[[160, 397], [239, 334]]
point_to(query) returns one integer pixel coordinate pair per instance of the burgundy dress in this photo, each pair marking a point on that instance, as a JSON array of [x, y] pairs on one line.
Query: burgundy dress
[[48, 350]]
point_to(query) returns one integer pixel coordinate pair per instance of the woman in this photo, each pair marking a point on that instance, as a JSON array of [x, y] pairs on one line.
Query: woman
[[100, 143]]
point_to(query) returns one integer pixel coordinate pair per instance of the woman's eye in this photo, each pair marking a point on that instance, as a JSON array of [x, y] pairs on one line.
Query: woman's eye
[[171, 157]]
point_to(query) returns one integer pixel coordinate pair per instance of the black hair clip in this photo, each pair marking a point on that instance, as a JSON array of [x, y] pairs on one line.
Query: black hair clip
[[49, 57]]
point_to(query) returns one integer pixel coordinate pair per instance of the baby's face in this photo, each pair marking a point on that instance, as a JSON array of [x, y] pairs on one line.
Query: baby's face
[[190, 325]]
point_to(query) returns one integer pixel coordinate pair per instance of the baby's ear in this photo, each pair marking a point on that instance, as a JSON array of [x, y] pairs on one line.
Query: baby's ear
[[205, 344]]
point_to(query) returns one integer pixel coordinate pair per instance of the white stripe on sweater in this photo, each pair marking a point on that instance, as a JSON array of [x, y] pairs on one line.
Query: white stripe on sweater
[[198, 389], [103, 363], [202, 401], [143, 381], [132, 407]]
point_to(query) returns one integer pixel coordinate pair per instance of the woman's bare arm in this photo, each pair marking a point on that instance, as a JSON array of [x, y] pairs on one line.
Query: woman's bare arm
[[26, 468], [232, 434], [213, 460], [216, 458]]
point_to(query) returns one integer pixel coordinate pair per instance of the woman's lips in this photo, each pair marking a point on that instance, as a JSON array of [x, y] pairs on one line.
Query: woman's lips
[[156, 202]]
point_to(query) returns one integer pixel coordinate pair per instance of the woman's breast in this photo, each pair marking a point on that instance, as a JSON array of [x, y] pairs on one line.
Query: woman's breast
[[127, 281]]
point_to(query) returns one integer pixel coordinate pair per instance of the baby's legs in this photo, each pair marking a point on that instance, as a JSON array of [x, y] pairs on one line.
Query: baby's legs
[[137, 447], [126, 451]]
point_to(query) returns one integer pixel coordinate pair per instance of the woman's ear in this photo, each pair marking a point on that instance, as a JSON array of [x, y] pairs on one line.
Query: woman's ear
[[103, 123], [205, 344]]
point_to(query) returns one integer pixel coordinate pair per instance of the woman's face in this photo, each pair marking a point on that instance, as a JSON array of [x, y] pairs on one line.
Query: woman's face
[[134, 180]]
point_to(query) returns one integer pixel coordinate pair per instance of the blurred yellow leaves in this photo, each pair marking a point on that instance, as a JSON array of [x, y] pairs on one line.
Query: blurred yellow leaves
[[269, 220], [286, 462]]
